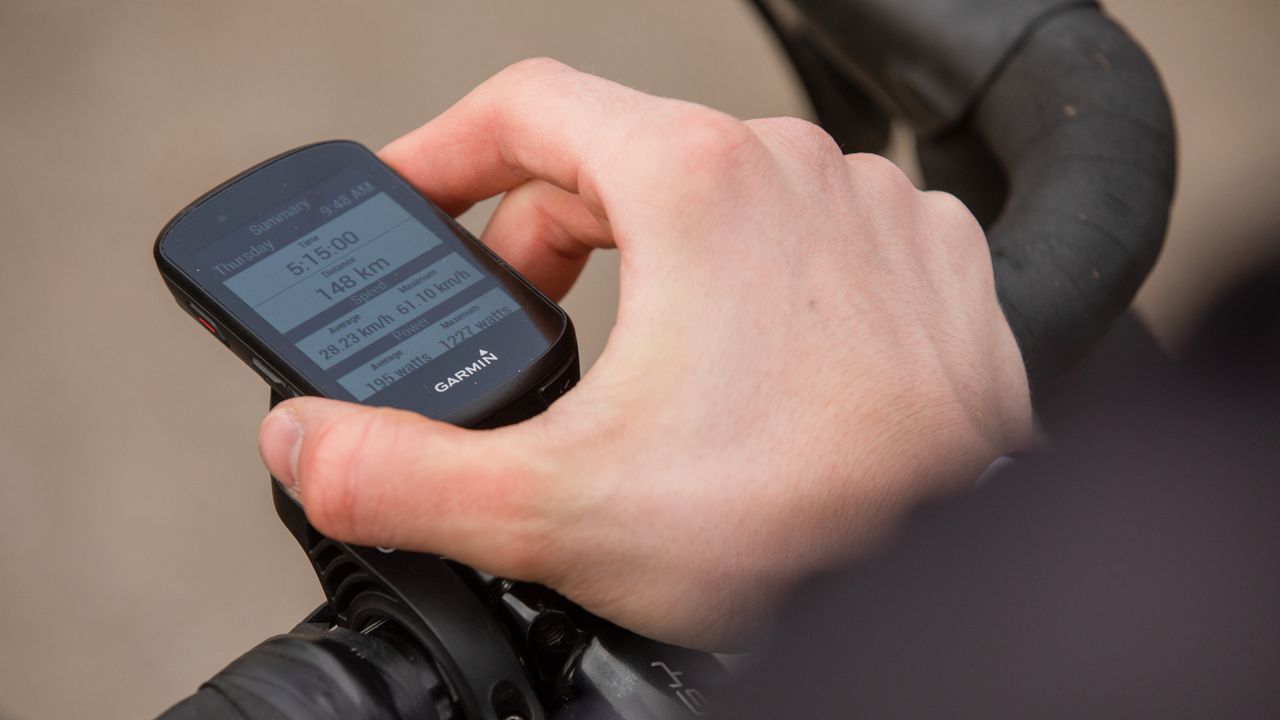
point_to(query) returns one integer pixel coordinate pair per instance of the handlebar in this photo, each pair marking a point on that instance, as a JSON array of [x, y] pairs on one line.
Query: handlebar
[[1044, 116]]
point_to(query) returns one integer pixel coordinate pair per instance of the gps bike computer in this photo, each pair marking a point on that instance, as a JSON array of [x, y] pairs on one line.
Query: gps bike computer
[[330, 275]]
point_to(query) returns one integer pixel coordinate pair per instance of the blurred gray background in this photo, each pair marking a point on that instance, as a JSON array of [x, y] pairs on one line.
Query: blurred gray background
[[138, 548]]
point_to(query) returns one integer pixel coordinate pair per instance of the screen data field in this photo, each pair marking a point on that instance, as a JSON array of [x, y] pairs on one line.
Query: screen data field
[[408, 299], [370, 296], [338, 259], [423, 341]]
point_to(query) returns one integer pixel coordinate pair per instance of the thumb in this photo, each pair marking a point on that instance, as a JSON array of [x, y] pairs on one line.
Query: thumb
[[391, 478]]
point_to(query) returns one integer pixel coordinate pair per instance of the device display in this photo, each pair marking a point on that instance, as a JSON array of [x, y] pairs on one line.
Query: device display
[[367, 294], [334, 277]]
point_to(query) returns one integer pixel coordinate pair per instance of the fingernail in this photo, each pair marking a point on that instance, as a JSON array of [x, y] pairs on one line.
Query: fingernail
[[279, 440]]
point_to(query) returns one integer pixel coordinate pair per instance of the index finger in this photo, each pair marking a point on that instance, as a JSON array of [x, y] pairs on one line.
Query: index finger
[[535, 119]]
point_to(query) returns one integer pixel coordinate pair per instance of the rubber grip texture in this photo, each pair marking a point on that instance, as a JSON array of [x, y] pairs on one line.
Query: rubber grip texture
[[1079, 120]]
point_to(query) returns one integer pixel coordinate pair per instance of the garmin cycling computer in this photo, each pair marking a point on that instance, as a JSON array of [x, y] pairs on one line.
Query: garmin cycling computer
[[330, 275]]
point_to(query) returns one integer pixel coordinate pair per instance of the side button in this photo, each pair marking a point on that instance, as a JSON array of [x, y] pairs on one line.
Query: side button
[[205, 321], [561, 382], [268, 374]]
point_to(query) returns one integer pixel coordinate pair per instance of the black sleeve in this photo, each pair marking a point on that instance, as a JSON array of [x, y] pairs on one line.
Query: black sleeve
[[1133, 574]]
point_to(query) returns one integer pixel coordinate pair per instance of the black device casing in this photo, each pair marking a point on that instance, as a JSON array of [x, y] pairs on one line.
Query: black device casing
[[525, 394]]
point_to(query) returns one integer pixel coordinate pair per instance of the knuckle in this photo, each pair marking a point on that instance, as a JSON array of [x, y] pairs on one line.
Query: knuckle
[[531, 68], [707, 142], [966, 245], [951, 212], [529, 80], [804, 137], [949, 206], [870, 168]]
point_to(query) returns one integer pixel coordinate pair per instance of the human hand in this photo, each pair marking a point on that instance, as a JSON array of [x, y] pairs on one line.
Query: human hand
[[805, 346]]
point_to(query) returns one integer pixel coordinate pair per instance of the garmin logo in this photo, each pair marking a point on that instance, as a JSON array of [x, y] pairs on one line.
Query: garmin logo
[[486, 359]]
